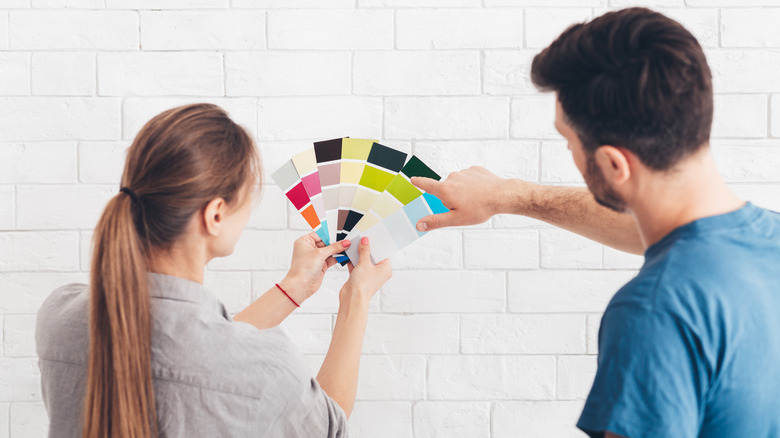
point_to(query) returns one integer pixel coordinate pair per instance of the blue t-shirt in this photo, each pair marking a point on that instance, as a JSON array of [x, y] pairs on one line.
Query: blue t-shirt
[[691, 346]]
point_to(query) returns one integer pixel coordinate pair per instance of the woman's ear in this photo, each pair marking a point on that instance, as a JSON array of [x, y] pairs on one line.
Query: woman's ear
[[214, 215], [614, 164]]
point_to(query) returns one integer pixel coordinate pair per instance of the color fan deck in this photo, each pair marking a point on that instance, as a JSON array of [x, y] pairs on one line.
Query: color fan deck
[[347, 188]]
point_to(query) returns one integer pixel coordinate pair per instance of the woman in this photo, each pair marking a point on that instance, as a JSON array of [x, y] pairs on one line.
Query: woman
[[145, 350]]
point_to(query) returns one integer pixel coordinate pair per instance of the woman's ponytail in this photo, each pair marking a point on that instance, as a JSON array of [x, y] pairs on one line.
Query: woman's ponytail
[[120, 397]]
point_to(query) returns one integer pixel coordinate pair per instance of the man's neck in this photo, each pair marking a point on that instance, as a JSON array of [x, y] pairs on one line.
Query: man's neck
[[694, 191]]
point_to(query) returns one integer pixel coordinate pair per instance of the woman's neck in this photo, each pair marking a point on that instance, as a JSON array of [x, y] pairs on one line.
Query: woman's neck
[[182, 260]]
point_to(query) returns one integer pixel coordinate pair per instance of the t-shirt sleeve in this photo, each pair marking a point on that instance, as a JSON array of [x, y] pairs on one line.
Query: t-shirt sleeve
[[650, 377]]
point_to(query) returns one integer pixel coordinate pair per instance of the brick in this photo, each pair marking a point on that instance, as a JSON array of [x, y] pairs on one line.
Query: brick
[[649, 3], [81, 4], [594, 321], [319, 118], [727, 3], [775, 115], [38, 163], [391, 378], [20, 380], [398, 73], [85, 249], [763, 195], [558, 164], [504, 250], [66, 118], [575, 376], [233, 289], [443, 291], [63, 74], [15, 71], [200, 30], [310, 333], [702, 23], [523, 334], [507, 159], [29, 419], [7, 207], [748, 163], [258, 250], [491, 377], [418, 3], [137, 111], [292, 4], [451, 419], [102, 162], [4, 35], [508, 72], [166, 4], [459, 28], [270, 212], [544, 25], [548, 418], [19, 336], [440, 250], [345, 29], [60, 207], [281, 73], [546, 3], [563, 249], [24, 4], [614, 259], [744, 71], [381, 419], [563, 291], [25, 292], [74, 29], [740, 116], [534, 117], [411, 334], [39, 251], [5, 420], [160, 74], [446, 117]]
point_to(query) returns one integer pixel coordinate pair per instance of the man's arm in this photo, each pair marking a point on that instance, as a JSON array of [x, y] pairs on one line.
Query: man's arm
[[474, 195]]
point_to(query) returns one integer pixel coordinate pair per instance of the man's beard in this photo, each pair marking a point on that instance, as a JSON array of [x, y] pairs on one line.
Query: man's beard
[[602, 192]]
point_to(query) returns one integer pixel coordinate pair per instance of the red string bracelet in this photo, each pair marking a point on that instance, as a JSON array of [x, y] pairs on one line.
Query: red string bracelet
[[288, 295]]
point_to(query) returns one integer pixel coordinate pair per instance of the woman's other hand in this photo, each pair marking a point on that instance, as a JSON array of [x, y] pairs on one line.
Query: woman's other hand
[[366, 278], [310, 260]]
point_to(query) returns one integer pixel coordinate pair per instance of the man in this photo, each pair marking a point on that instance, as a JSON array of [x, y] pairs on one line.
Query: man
[[691, 346]]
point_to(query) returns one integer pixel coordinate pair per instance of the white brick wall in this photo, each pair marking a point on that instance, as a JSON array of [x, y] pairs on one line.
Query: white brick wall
[[488, 331]]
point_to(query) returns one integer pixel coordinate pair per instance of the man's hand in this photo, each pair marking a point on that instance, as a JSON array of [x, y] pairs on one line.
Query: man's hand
[[473, 196]]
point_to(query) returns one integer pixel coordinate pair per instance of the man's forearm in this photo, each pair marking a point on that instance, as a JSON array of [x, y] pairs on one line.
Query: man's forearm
[[573, 209]]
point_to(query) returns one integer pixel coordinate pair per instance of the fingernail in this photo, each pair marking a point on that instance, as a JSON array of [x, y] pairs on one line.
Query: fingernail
[[364, 240], [422, 226], [346, 242]]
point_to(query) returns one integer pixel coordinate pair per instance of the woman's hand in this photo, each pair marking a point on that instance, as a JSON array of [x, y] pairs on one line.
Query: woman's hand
[[310, 259], [366, 278]]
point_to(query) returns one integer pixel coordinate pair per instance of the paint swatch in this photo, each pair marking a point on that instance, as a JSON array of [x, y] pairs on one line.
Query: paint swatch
[[290, 182], [390, 223], [306, 166], [328, 156], [349, 188]]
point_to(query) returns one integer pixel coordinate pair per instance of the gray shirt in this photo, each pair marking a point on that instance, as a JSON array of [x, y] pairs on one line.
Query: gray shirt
[[212, 376]]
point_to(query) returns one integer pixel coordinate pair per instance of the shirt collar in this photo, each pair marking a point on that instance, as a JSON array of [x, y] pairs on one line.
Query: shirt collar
[[168, 287]]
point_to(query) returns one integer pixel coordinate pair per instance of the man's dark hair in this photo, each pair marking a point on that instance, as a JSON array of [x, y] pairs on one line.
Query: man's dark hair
[[632, 78]]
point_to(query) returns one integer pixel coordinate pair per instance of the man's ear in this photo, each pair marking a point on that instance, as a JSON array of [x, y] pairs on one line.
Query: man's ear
[[614, 164], [214, 215]]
